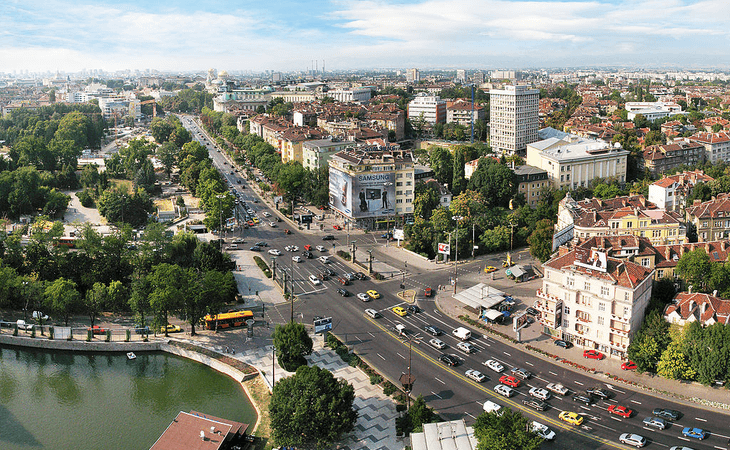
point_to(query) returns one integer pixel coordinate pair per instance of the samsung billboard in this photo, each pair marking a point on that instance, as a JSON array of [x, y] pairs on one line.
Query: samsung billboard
[[363, 195]]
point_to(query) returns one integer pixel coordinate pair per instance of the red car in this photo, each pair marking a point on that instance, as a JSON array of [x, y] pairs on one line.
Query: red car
[[593, 354], [336, 227], [509, 380], [308, 248], [628, 365], [620, 411], [250, 223], [96, 329]]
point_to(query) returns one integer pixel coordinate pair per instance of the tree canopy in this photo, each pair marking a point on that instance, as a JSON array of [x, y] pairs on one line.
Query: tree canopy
[[292, 344]]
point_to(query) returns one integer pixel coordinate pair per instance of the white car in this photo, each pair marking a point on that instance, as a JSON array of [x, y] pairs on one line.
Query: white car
[[274, 252], [321, 248], [557, 388], [540, 393], [363, 296], [504, 390], [296, 259], [272, 224], [475, 375], [437, 343], [266, 214], [324, 259], [294, 248], [372, 313], [494, 365], [314, 280], [465, 347], [543, 431]]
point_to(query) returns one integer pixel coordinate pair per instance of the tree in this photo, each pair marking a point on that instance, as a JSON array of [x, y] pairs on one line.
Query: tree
[[292, 343], [506, 430], [95, 301], [211, 292], [420, 413], [167, 154], [541, 240], [458, 183], [674, 364], [311, 408], [494, 181], [442, 164], [693, 267], [169, 285], [62, 297], [650, 342]]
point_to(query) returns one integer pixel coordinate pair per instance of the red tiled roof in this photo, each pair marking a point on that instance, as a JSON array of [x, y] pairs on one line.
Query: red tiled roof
[[622, 272], [703, 307], [717, 207]]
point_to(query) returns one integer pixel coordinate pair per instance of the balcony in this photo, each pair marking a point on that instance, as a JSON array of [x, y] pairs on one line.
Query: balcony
[[620, 332], [544, 306], [619, 318], [618, 345]]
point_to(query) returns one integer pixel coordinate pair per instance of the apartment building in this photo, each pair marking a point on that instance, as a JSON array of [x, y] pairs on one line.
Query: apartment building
[[513, 118], [530, 183], [317, 153], [593, 300], [711, 219], [671, 192], [659, 159], [430, 107], [464, 113], [351, 95], [717, 145], [413, 76]]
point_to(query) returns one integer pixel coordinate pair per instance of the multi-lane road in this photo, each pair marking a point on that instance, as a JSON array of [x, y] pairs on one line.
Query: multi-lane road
[[446, 388]]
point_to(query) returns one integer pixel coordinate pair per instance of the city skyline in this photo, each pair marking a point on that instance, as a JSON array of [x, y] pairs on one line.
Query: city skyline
[[360, 34]]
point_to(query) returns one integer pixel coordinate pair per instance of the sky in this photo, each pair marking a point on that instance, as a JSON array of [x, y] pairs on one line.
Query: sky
[[284, 35]]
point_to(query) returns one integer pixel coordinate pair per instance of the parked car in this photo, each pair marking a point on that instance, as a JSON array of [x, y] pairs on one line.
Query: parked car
[[308, 255], [262, 244], [23, 326], [343, 281], [361, 276], [96, 329], [432, 330], [329, 237], [143, 330], [343, 292], [593, 354], [321, 248], [562, 343], [255, 248], [296, 259], [536, 404], [437, 343], [274, 252], [628, 365], [494, 365], [475, 375], [636, 440], [171, 329], [314, 280], [39, 315], [532, 311]]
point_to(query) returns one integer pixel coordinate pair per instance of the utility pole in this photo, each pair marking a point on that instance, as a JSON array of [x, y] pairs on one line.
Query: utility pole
[[473, 246], [220, 230], [456, 254], [292, 291], [273, 366]]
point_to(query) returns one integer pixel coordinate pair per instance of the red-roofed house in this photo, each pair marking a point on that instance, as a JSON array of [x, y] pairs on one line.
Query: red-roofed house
[[593, 300], [659, 159], [717, 145], [698, 307], [197, 431], [711, 219], [671, 192]]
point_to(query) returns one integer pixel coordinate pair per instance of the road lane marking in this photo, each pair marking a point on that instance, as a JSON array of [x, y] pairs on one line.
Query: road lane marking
[[529, 364], [507, 354], [551, 373], [437, 395], [400, 355], [616, 419], [578, 382], [700, 419], [371, 334], [480, 403], [634, 401], [358, 338], [381, 356], [438, 380], [470, 415]]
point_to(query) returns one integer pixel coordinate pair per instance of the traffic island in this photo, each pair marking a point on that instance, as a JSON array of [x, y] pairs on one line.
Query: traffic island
[[408, 296]]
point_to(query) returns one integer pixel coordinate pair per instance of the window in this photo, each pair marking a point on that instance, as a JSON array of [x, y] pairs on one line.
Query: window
[[398, 192], [566, 310], [605, 291], [656, 233], [400, 175], [566, 323], [645, 262], [601, 306], [614, 225], [627, 311], [409, 175], [399, 183], [642, 233], [627, 296], [409, 183], [399, 200], [562, 177], [600, 320], [409, 200], [629, 224], [570, 281], [660, 273], [587, 286], [704, 224]]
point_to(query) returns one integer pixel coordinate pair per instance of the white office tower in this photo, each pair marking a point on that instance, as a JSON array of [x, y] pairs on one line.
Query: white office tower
[[513, 116]]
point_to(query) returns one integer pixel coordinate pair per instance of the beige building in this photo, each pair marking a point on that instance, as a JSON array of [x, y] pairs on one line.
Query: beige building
[[711, 219], [316, 153], [572, 161], [593, 300], [513, 118]]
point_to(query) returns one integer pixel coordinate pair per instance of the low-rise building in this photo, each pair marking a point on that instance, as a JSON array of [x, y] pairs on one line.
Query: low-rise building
[[659, 159], [430, 107], [452, 435], [671, 192], [711, 219], [593, 300], [350, 95], [652, 110], [530, 182], [706, 309], [669, 255]]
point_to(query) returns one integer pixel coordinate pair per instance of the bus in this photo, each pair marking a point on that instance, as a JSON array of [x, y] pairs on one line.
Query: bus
[[69, 242], [228, 320]]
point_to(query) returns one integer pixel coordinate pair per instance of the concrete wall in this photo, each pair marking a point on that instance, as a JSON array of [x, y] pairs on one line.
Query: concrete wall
[[80, 345]]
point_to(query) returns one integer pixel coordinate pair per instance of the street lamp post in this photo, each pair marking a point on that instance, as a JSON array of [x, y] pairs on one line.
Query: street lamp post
[[220, 210], [456, 252]]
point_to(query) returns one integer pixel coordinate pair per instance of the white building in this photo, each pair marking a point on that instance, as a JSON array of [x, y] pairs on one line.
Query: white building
[[652, 110], [572, 161], [514, 118], [352, 95], [593, 300], [316, 153], [717, 145], [431, 107], [460, 76], [413, 76], [120, 107], [671, 192]]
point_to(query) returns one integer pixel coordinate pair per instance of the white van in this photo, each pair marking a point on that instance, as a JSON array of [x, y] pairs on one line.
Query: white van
[[462, 333], [401, 329], [490, 406]]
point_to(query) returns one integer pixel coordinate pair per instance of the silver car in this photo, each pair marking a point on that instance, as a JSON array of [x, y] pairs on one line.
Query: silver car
[[655, 422], [475, 375], [632, 439], [437, 343], [494, 365], [504, 390]]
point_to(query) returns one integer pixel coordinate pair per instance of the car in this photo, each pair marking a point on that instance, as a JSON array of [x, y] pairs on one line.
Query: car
[[432, 330], [250, 223], [694, 432], [475, 375], [532, 311], [255, 220], [449, 360], [291, 248], [571, 417], [262, 244], [272, 224], [308, 248], [274, 252], [324, 259], [329, 237], [655, 422], [437, 343], [266, 214], [20, 323], [320, 248], [504, 390], [628, 365], [491, 407], [636, 440], [343, 281], [38, 315], [361, 276], [521, 373], [171, 329], [621, 411], [465, 347], [562, 343], [314, 280], [308, 255], [373, 294], [143, 330], [490, 269], [593, 354], [323, 276], [536, 404], [329, 271], [296, 259], [581, 398], [286, 231], [428, 292], [667, 414], [543, 431], [557, 388], [413, 309], [509, 380], [255, 248], [238, 241], [363, 296], [598, 392], [400, 311], [343, 292], [494, 365], [540, 393], [337, 227], [372, 313], [96, 329], [682, 447]]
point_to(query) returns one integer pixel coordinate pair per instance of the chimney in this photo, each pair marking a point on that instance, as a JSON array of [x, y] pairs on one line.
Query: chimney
[[689, 289], [667, 253], [681, 250], [714, 293]]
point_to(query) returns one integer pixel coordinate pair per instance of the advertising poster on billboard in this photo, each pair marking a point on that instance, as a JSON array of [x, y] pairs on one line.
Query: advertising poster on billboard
[[363, 195]]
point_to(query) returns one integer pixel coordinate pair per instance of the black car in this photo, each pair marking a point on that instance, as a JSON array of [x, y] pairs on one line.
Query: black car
[[343, 292], [586, 399], [262, 244], [323, 276], [598, 392], [329, 237], [562, 343], [255, 248], [434, 331], [308, 255], [361, 276], [532, 311], [278, 219], [330, 272], [413, 309], [449, 360], [667, 414], [535, 404]]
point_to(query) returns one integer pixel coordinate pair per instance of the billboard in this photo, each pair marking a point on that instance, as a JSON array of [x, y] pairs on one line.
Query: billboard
[[369, 194], [444, 249]]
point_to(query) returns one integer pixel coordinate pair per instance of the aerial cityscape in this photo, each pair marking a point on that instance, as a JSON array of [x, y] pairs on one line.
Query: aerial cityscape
[[467, 224]]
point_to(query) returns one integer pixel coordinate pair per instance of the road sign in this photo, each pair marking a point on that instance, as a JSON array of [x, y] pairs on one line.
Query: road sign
[[398, 235], [444, 249], [324, 324]]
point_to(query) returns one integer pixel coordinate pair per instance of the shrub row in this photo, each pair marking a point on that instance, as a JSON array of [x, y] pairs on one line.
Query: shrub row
[[344, 255], [263, 266]]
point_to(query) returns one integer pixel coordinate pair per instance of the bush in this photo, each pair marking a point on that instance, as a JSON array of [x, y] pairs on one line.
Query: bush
[[354, 360], [388, 388], [344, 255], [400, 407], [378, 276], [85, 198], [263, 266], [376, 379], [332, 341]]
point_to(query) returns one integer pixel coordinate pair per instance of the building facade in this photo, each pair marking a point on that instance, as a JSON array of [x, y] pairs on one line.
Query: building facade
[[430, 107], [352, 95], [717, 145], [671, 192], [593, 300], [462, 113], [317, 153], [513, 118], [530, 183], [658, 159], [652, 110], [710, 219]]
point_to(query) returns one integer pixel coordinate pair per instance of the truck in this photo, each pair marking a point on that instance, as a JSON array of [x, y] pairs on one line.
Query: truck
[[462, 333]]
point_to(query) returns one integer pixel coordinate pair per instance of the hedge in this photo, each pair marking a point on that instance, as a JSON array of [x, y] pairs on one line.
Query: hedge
[[263, 266]]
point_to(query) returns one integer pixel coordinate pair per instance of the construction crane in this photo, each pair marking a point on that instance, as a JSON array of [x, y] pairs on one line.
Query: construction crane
[[154, 106]]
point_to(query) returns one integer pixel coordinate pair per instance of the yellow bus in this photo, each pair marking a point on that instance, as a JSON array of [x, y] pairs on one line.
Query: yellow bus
[[227, 320]]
